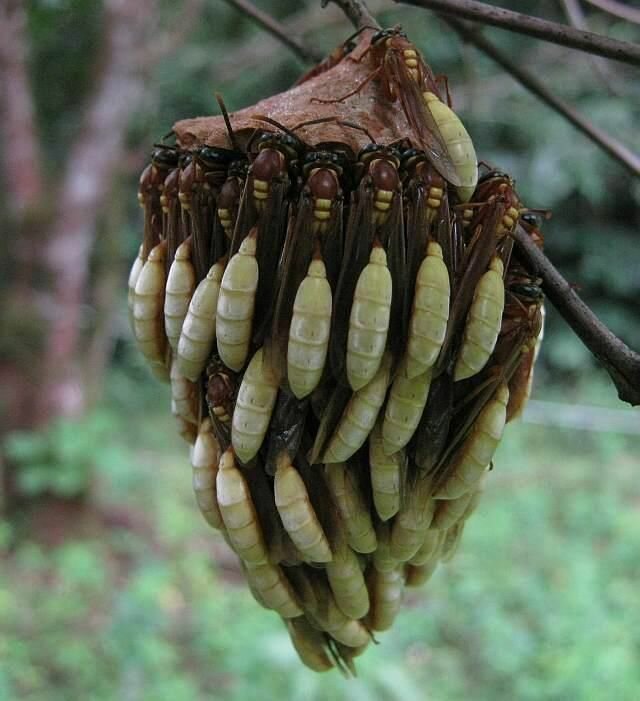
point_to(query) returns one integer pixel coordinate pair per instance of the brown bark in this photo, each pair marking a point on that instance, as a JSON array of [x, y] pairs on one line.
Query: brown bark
[[40, 364]]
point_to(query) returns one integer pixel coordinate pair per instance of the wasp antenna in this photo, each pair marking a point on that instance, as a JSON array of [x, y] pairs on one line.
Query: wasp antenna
[[352, 125], [273, 122], [168, 135], [227, 121], [309, 122]]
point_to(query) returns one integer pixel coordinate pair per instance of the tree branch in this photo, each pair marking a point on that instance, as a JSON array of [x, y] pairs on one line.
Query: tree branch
[[622, 363], [608, 143], [305, 53], [356, 11], [535, 27], [617, 9]]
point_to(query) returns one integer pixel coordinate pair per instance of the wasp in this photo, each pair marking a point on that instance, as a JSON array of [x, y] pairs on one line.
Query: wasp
[[315, 238], [148, 310], [410, 525], [359, 417], [375, 221], [184, 395], [254, 406], [264, 208], [469, 463], [361, 535], [298, 515], [163, 160], [198, 330], [440, 133], [239, 512], [134, 274], [386, 593], [201, 178], [236, 303], [386, 475], [483, 322], [181, 282], [228, 201], [221, 386], [407, 399], [333, 59], [369, 320], [204, 461], [347, 583], [272, 589], [310, 644]]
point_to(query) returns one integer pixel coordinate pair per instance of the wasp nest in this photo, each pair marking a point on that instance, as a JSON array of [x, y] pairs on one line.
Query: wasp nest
[[333, 294]]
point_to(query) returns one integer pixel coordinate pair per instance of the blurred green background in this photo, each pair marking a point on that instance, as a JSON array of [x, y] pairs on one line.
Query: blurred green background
[[111, 584]]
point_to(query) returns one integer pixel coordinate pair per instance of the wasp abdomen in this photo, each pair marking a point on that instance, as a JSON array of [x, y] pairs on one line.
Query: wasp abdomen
[[477, 451], [483, 323], [309, 331], [204, 461], [347, 583], [459, 145], [359, 417], [369, 321], [199, 327], [238, 512], [385, 476], [353, 510], [428, 325], [387, 589], [273, 589], [148, 318], [254, 406], [181, 283], [236, 302], [298, 515], [403, 412]]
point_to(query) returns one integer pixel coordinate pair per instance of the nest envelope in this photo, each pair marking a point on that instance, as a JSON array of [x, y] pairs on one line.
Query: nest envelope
[[346, 333]]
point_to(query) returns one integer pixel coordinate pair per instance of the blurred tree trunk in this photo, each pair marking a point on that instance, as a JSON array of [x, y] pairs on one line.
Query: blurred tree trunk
[[41, 356]]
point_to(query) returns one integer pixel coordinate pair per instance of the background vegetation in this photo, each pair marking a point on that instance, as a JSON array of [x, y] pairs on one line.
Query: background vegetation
[[111, 584]]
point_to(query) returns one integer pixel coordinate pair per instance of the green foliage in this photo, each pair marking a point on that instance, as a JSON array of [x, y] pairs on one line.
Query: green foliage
[[540, 602], [62, 458]]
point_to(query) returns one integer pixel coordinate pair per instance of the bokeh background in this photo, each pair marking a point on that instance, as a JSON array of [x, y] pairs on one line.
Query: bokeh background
[[111, 584]]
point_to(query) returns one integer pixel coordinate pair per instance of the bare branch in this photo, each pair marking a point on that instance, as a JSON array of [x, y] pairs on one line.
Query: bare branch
[[575, 14], [622, 363], [356, 11], [608, 143], [617, 9], [535, 27], [305, 53]]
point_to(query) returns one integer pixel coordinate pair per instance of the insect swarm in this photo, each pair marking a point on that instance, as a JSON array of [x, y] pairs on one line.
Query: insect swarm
[[348, 331]]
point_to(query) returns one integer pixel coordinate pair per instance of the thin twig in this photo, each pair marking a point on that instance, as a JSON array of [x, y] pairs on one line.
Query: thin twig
[[356, 11], [608, 143], [617, 9], [576, 17], [622, 363], [305, 53], [534, 26]]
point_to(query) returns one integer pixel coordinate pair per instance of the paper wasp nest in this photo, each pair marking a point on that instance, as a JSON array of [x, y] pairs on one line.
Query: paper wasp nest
[[334, 296]]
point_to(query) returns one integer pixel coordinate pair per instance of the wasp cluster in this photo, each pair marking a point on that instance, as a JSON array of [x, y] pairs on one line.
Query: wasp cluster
[[345, 334]]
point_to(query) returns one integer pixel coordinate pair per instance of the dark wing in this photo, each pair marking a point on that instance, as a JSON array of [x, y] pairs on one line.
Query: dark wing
[[477, 256], [358, 242], [421, 120], [272, 231], [285, 430]]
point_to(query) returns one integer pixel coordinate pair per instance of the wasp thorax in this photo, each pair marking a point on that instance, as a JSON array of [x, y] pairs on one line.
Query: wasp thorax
[[170, 189], [269, 163]]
